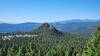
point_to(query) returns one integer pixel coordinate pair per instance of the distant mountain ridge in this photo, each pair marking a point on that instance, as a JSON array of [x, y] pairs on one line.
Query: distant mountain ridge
[[23, 27], [66, 26]]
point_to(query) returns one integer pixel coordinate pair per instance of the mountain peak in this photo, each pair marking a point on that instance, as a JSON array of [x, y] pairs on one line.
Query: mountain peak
[[45, 25], [47, 28]]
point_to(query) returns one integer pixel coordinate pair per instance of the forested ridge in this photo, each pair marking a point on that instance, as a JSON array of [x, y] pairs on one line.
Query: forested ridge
[[48, 41]]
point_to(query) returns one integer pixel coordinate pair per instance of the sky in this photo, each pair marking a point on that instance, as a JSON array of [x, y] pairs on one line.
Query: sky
[[19, 11]]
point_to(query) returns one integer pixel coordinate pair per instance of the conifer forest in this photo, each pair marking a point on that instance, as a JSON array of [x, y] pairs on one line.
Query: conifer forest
[[48, 41]]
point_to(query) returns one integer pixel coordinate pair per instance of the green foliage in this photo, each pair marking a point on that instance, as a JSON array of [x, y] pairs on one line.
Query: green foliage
[[98, 27], [93, 46], [48, 42]]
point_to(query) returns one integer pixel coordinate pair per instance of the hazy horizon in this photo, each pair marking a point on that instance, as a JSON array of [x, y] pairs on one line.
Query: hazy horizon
[[20, 11]]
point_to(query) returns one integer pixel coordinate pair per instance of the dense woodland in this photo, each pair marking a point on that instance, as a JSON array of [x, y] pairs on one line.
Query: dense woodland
[[51, 42]]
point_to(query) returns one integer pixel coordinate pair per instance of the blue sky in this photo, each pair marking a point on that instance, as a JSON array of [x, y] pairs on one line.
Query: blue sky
[[19, 11]]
